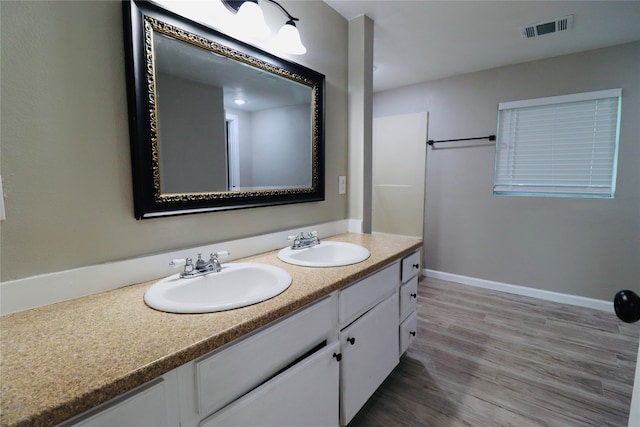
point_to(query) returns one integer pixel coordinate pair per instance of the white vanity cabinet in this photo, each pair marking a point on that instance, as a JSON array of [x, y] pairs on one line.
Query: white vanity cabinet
[[315, 367], [408, 300], [369, 337]]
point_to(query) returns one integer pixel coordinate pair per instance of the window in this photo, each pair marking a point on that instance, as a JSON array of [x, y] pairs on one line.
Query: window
[[559, 146]]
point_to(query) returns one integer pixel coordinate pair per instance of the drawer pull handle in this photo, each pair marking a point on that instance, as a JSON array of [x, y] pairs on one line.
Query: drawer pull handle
[[416, 265], [412, 333], [351, 340], [337, 356], [414, 295]]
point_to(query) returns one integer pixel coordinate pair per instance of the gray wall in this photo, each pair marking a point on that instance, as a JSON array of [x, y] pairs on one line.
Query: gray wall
[[586, 247], [191, 136], [278, 157], [65, 143]]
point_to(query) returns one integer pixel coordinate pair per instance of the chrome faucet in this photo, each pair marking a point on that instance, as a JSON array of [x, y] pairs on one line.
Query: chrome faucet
[[301, 242], [201, 267]]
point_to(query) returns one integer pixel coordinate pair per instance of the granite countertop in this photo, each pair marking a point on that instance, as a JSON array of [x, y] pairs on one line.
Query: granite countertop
[[62, 359]]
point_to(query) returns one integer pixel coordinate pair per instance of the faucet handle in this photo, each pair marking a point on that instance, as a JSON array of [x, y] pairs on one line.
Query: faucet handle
[[313, 234], [221, 254], [293, 237], [186, 262], [178, 262], [200, 264]]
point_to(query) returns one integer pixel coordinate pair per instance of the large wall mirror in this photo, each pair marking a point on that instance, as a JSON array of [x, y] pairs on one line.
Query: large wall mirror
[[216, 123]]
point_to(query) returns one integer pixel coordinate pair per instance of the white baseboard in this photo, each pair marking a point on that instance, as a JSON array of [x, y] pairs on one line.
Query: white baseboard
[[354, 226], [44, 289], [523, 290], [406, 236]]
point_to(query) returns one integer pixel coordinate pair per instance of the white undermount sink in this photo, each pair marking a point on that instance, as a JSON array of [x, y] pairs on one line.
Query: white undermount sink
[[326, 254], [236, 285]]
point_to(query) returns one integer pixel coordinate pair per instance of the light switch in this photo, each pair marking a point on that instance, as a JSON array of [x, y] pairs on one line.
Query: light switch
[[342, 185]]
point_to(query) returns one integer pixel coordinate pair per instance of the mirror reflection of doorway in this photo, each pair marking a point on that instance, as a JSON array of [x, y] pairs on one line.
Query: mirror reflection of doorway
[[233, 152]]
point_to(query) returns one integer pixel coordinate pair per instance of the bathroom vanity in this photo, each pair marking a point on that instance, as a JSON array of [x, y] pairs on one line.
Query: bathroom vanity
[[317, 351]]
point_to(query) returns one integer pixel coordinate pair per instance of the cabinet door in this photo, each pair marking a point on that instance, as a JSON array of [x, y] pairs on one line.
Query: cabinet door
[[152, 405], [303, 395], [369, 353]]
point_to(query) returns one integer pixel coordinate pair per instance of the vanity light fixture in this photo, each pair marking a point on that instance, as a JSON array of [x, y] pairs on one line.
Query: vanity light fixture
[[251, 19]]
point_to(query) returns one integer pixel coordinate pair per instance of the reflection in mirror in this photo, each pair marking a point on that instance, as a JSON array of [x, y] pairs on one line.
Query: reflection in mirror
[[217, 124], [224, 125]]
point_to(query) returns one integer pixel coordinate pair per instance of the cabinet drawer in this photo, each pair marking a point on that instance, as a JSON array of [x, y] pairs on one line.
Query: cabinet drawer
[[410, 266], [226, 375], [361, 296], [408, 297], [408, 331], [304, 395]]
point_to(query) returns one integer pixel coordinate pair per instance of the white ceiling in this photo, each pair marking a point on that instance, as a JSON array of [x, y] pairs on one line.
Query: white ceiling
[[417, 41]]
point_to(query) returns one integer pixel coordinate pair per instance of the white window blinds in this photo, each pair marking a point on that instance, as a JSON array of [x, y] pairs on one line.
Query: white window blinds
[[558, 146]]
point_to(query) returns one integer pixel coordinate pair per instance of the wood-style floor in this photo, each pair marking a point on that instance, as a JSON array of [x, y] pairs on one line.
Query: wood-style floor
[[487, 358]]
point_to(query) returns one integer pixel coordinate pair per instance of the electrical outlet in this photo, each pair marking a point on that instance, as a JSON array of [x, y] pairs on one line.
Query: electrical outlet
[[342, 185]]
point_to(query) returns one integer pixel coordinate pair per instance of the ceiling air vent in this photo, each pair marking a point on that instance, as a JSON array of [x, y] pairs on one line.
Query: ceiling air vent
[[536, 30]]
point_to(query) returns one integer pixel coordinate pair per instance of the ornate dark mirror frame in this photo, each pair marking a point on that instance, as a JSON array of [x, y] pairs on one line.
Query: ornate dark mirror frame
[[141, 19]]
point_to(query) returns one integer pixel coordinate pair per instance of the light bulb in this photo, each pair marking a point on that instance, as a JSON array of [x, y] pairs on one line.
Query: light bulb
[[251, 21], [288, 40]]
